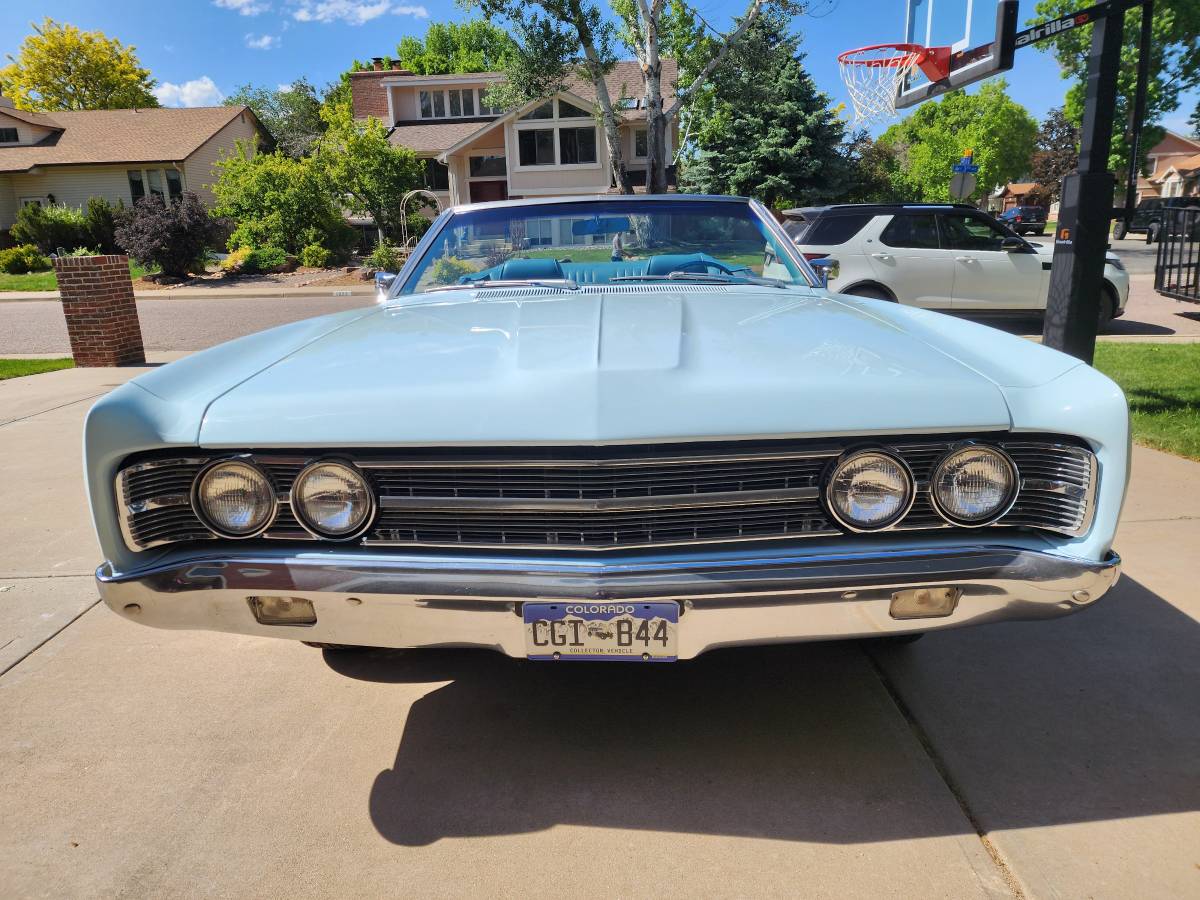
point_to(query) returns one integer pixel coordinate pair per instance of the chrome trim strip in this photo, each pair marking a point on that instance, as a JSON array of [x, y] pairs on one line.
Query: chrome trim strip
[[656, 501], [498, 462]]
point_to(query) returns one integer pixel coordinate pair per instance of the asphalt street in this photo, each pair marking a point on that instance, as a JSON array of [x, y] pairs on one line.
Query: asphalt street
[[1053, 759]]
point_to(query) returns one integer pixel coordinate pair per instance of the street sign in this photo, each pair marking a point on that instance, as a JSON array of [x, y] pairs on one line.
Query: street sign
[[962, 185]]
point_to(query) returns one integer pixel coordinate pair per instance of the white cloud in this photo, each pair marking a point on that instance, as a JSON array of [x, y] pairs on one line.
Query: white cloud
[[283, 88], [245, 7], [402, 9], [262, 42], [200, 91], [352, 12]]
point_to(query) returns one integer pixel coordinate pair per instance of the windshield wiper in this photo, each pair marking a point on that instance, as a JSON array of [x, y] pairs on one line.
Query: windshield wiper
[[707, 277], [565, 284]]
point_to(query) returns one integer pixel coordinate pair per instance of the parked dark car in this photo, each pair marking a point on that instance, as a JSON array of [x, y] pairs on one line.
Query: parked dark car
[[1025, 219], [1148, 217]]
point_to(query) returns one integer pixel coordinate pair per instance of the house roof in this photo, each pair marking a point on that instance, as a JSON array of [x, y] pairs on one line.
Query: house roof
[[625, 80], [435, 136], [121, 136], [1018, 187], [32, 118], [1186, 165]]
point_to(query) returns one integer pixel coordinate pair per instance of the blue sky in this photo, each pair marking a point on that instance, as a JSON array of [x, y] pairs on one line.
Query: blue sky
[[200, 50]]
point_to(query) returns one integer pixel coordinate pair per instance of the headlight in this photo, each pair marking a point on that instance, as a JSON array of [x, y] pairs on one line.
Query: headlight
[[974, 485], [235, 499], [870, 490], [332, 499]]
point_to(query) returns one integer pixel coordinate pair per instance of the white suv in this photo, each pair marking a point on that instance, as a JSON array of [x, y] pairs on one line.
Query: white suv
[[950, 257]]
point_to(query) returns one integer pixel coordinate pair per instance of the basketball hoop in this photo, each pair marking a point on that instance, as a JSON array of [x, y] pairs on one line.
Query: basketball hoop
[[875, 74]]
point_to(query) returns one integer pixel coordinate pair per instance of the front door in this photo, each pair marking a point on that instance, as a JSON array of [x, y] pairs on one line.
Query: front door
[[483, 191], [909, 260], [987, 277]]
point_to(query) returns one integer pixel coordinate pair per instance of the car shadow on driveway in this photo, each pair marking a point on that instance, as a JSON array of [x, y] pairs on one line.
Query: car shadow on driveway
[[1090, 717]]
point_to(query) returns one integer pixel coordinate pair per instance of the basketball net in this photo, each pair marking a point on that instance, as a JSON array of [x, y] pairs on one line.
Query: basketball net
[[873, 77]]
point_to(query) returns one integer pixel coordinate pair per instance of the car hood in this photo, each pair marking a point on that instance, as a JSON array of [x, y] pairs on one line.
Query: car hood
[[641, 363], [1046, 252]]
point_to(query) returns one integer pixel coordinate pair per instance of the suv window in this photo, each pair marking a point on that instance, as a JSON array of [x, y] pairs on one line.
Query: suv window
[[971, 233], [917, 231], [830, 230]]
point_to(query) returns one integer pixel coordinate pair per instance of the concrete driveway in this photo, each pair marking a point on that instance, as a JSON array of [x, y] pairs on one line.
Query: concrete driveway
[[1055, 759]]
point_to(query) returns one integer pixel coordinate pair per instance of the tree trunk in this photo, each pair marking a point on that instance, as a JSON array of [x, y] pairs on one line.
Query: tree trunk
[[656, 120], [595, 69]]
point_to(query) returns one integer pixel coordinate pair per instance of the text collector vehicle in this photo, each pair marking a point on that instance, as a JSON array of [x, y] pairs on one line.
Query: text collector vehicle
[[609, 428]]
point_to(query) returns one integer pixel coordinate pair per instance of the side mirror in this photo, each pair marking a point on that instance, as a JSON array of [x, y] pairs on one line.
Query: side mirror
[[383, 281], [1013, 245], [826, 268]]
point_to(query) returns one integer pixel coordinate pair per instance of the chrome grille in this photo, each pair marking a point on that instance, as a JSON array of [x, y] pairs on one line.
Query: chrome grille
[[609, 497]]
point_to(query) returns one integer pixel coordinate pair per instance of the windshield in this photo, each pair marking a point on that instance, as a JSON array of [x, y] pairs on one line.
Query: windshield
[[606, 242]]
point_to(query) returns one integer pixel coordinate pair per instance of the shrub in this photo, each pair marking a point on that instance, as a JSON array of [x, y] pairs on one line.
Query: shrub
[[100, 218], [83, 251], [314, 256], [449, 269], [22, 259], [266, 259], [51, 227], [235, 262], [176, 238], [385, 258]]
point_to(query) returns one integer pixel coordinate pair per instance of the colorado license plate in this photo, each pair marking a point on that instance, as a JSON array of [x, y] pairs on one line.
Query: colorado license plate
[[632, 632]]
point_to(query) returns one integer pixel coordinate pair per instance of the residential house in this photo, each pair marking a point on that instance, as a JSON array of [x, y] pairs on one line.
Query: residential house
[[1020, 193], [1174, 164], [553, 146], [117, 154]]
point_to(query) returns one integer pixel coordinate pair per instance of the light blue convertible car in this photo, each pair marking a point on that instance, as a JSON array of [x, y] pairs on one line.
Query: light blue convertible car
[[632, 428]]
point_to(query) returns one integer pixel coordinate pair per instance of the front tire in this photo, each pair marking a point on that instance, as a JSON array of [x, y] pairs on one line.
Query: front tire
[[1120, 230], [1108, 308]]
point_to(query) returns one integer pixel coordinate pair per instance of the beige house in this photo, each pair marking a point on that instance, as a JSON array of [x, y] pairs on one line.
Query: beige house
[[118, 154], [475, 153], [1174, 164]]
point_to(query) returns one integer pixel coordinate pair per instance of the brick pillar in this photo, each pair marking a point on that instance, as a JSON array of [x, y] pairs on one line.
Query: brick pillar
[[102, 319]]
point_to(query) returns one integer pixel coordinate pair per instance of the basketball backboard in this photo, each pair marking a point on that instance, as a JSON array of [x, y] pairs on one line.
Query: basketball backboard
[[980, 35]]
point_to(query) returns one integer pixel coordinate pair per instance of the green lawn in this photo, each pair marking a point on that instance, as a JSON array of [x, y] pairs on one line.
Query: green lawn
[[45, 281], [1162, 382], [15, 368]]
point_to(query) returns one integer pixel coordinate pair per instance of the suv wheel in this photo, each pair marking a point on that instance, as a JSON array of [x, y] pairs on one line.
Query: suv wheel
[[1108, 307], [1120, 230]]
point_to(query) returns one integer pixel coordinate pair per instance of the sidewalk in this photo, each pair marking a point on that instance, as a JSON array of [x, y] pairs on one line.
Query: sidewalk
[[223, 292], [140, 762]]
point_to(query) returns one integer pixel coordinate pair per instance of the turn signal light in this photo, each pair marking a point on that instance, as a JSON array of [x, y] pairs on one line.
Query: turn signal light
[[283, 610]]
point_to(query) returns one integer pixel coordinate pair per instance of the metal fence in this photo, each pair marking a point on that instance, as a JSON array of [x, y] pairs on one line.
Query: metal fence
[[1177, 269]]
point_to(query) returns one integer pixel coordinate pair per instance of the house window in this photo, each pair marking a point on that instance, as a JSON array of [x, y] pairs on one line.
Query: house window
[[137, 188], [488, 166], [485, 108], [571, 111], [577, 145], [545, 111], [9, 136], [33, 201], [174, 184], [439, 105], [155, 181], [456, 104], [426, 99], [536, 146], [437, 175], [640, 143]]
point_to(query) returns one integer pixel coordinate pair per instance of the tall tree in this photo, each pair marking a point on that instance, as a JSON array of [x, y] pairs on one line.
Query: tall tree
[[1194, 120], [59, 67], [772, 134], [871, 166], [926, 145], [450, 48], [292, 115], [1174, 64], [557, 38], [1057, 153]]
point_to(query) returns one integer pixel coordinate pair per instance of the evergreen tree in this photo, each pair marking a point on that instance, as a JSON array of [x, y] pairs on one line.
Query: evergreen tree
[[767, 131]]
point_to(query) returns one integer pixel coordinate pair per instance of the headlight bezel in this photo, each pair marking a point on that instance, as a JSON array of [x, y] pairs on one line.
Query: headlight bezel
[[206, 519], [298, 510], [1000, 511], [848, 457]]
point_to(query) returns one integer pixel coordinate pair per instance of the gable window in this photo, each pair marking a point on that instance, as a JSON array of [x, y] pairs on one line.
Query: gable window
[[536, 146], [571, 111], [437, 175], [577, 145], [485, 108], [455, 103], [9, 136], [137, 188], [545, 111], [640, 144]]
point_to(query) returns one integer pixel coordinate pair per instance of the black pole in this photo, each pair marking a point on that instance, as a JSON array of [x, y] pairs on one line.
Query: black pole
[[1081, 239], [1138, 114]]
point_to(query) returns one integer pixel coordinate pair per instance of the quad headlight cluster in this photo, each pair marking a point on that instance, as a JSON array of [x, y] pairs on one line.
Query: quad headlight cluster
[[874, 489], [330, 499]]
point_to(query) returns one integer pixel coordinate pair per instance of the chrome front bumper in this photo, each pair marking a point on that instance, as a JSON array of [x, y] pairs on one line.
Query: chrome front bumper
[[729, 598]]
